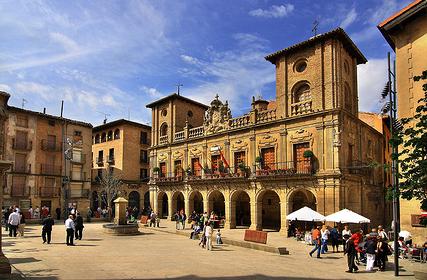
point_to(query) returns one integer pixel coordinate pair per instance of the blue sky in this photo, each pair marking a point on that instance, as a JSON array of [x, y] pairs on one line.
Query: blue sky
[[116, 56]]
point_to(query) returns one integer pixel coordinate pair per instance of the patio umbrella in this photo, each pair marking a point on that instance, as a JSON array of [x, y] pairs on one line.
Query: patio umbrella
[[347, 216], [305, 214]]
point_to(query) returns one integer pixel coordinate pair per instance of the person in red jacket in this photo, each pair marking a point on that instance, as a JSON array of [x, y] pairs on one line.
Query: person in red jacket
[[357, 238]]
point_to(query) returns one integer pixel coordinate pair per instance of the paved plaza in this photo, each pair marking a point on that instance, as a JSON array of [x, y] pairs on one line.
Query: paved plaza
[[160, 255]]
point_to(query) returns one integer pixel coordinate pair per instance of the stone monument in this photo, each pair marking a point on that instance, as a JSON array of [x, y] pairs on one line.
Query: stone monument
[[120, 226]]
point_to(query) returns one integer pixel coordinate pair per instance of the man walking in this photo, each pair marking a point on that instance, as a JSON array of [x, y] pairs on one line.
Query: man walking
[[208, 234], [70, 227], [316, 239], [351, 252], [13, 221], [79, 226], [47, 223]]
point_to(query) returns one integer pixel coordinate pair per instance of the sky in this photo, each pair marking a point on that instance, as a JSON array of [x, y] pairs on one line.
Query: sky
[[114, 57]]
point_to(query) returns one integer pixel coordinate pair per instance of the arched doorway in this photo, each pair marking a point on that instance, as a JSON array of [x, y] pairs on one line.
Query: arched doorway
[[134, 199], [241, 209], [270, 210], [300, 198], [163, 204], [95, 201], [178, 202], [196, 202], [147, 207], [217, 203]]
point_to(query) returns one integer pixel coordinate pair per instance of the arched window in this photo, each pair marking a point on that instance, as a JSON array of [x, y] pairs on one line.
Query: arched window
[[164, 129], [97, 139], [103, 137], [110, 135], [348, 103], [302, 93], [301, 99], [117, 134]]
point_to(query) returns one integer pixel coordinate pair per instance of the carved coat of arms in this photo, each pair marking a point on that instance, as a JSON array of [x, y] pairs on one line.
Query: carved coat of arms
[[217, 117]]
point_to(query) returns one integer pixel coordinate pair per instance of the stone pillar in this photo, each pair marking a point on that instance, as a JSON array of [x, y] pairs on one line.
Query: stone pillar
[[227, 152], [230, 217], [206, 204], [155, 200], [205, 159], [256, 213], [171, 212], [253, 154], [283, 214], [187, 204], [4, 262], [120, 214], [151, 190]]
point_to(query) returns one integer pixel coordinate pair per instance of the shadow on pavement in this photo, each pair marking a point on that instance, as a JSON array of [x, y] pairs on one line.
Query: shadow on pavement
[[23, 260], [247, 277]]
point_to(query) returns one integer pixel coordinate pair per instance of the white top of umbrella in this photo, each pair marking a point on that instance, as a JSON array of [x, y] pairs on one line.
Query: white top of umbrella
[[305, 214], [347, 216]]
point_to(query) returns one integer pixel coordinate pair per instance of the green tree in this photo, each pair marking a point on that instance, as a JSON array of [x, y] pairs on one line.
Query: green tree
[[413, 155], [110, 185]]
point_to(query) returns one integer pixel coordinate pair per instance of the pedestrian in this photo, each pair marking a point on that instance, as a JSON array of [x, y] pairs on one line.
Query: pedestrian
[[89, 215], [70, 228], [325, 236], [218, 237], [30, 211], [183, 219], [382, 233], [58, 213], [79, 226], [6, 218], [37, 213], [47, 223], [382, 251], [208, 234], [153, 218], [334, 235], [357, 239], [203, 237], [21, 226], [371, 248], [316, 239], [346, 234], [177, 220], [350, 250], [14, 219], [157, 220]]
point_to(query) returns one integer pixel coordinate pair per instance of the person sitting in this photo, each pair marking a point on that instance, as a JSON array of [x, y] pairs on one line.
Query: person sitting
[[402, 248], [425, 252], [196, 230]]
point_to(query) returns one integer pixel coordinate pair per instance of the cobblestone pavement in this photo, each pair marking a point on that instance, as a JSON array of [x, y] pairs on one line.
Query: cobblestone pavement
[[160, 255]]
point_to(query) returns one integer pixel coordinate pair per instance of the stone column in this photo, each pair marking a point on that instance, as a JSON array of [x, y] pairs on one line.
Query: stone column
[[256, 215], [227, 152], [205, 159], [187, 204], [171, 212], [283, 214], [155, 200], [253, 154], [151, 190], [206, 206], [4, 262], [230, 217]]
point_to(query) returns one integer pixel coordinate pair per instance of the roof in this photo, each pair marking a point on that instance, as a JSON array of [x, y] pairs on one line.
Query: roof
[[119, 122], [176, 96], [47, 116], [3, 93], [399, 17], [338, 33]]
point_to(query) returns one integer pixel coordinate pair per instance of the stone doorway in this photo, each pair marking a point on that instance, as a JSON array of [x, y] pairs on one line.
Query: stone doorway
[[270, 210]]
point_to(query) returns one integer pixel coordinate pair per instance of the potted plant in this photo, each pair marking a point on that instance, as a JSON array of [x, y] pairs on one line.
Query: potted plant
[[156, 171], [188, 171], [308, 154], [242, 170], [258, 161]]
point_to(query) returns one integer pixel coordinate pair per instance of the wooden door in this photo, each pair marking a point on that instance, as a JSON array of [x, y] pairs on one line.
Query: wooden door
[[302, 164], [268, 158], [162, 169], [178, 168], [195, 166], [215, 162]]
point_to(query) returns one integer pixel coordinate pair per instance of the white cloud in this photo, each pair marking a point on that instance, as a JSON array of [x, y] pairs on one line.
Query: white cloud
[[67, 43], [152, 92], [273, 12], [189, 59], [349, 19], [372, 77], [6, 88]]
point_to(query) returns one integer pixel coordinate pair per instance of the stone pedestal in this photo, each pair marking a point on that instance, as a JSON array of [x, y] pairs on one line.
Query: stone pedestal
[[120, 215]]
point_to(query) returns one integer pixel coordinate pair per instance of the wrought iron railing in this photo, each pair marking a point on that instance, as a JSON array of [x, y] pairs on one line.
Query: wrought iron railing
[[287, 168]]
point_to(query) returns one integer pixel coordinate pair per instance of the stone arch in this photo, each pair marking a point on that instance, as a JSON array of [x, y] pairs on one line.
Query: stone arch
[[147, 206], [103, 137], [196, 202], [178, 202], [268, 210], [240, 209], [300, 198], [216, 202], [97, 138], [117, 134], [163, 204], [110, 135], [134, 200], [301, 92]]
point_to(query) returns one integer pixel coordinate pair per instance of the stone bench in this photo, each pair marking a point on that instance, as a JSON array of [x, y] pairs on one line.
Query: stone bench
[[255, 236]]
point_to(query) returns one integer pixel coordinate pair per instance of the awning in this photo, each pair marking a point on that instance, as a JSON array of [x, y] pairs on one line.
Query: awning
[[305, 214], [347, 216]]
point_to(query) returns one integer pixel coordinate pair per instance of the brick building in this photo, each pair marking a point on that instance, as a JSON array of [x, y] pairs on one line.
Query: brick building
[[307, 147]]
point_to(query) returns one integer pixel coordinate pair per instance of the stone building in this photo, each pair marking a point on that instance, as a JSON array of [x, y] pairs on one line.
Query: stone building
[[49, 161], [308, 147], [122, 147], [406, 33]]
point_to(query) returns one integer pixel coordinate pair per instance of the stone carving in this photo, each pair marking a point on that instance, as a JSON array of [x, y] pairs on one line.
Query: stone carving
[[195, 151], [163, 157], [239, 145], [267, 140], [217, 117], [301, 135], [178, 154]]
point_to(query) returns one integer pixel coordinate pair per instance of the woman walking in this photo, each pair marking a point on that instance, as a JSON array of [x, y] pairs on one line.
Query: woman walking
[[325, 236]]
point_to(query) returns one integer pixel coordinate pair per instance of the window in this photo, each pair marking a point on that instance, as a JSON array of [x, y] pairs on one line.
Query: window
[[300, 65], [301, 163], [111, 154], [164, 112], [20, 163], [143, 173], [196, 167], [301, 99], [97, 139], [190, 114], [239, 158], [178, 168], [117, 134], [51, 142], [162, 167], [110, 135], [22, 121], [268, 158], [77, 133], [144, 137], [215, 159], [100, 156], [103, 137], [348, 104], [164, 130], [302, 93], [18, 185], [143, 155]]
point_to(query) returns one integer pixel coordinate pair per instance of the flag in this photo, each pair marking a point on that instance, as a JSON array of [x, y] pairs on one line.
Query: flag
[[224, 160]]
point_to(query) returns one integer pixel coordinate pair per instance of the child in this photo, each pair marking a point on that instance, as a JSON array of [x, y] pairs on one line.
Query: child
[[218, 237]]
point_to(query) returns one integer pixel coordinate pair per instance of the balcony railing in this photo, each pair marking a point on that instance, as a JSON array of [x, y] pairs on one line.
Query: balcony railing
[[78, 158], [22, 145], [110, 159], [100, 160], [266, 116], [51, 146], [179, 136], [222, 173], [196, 132], [19, 190], [163, 139], [50, 169], [24, 168], [48, 192], [287, 168], [240, 121], [169, 177], [79, 193], [301, 108]]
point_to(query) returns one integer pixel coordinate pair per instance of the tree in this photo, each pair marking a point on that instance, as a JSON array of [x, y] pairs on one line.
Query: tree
[[110, 187], [413, 155]]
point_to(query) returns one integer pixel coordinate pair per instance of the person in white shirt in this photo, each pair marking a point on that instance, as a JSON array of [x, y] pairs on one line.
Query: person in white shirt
[[14, 219], [325, 236], [70, 228], [346, 234], [37, 213], [382, 233], [31, 212], [208, 234]]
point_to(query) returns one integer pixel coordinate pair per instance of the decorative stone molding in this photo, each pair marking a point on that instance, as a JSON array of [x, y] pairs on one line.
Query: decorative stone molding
[[163, 157], [194, 151], [217, 117], [301, 135], [267, 140], [178, 155], [239, 145]]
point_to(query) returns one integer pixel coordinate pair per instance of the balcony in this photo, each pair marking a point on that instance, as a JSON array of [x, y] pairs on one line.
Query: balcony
[[78, 193], [50, 146], [100, 161], [169, 177], [49, 169], [300, 108], [110, 159], [21, 168], [285, 169], [47, 192], [196, 132], [179, 136], [163, 139], [19, 190], [22, 145], [222, 173], [78, 158]]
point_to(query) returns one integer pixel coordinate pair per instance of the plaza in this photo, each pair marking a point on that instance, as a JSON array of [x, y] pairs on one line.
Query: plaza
[[161, 255]]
